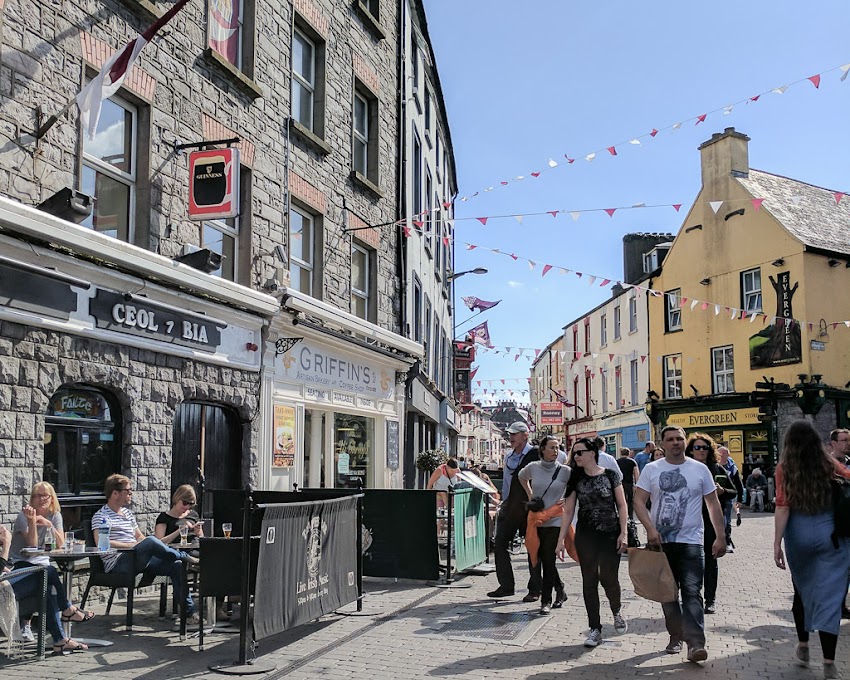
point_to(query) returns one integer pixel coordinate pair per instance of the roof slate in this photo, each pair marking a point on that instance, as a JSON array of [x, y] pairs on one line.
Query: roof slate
[[816, 220]]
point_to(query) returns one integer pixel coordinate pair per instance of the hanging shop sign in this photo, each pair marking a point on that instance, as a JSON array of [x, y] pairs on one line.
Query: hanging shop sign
[[551, 413], [779, 343], [214, 184]]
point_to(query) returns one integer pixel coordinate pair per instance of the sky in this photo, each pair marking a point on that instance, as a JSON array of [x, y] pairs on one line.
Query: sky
[[527, 82]]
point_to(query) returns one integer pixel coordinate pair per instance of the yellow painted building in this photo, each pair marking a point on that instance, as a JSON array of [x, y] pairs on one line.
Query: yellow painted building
[[753, 289]]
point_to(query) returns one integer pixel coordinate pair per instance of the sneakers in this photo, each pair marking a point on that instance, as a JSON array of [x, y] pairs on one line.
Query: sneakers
[[560, 598], [594, 638], [26, 633], [674, 646], [830, 672], [501, 592], [531, 597], [620, 624], [696, 654], [709, 608], [545, 609], [801, 653], [730, 549]]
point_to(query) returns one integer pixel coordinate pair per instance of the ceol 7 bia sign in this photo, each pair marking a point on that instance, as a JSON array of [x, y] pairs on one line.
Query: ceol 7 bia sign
[[551, 413], [214, 184]]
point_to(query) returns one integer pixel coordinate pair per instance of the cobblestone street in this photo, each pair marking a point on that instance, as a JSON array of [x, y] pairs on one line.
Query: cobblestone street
[[414, 630]]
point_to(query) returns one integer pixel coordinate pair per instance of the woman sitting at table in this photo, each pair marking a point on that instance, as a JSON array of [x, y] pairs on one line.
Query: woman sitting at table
[[27, 586], [40, 518], [181, 513]]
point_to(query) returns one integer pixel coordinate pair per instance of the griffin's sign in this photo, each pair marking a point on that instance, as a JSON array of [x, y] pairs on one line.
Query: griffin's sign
[[214, 184]]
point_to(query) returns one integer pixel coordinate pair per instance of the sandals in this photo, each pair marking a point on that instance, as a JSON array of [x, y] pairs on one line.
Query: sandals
[[77, 616], [69, 646]]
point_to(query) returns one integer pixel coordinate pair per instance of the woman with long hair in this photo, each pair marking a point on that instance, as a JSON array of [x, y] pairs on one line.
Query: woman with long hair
[[41, 519], [545, 482], [600, 533], [819, 562], [181, 513], [703, 449]]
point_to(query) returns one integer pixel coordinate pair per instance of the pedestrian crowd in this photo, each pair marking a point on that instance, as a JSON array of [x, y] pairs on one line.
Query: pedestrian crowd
[[684, 492]]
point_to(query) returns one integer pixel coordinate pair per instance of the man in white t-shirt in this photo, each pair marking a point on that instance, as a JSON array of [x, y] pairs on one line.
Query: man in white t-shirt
[[678, 485]]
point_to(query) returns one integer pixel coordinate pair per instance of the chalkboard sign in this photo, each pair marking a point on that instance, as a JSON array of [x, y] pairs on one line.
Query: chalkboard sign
[[392, 444]]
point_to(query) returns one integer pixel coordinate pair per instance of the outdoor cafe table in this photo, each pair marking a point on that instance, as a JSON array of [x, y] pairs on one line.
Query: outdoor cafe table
[[65, 561]]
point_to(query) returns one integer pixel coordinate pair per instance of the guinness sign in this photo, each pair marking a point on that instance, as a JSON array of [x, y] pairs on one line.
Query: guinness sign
[[214, 184]]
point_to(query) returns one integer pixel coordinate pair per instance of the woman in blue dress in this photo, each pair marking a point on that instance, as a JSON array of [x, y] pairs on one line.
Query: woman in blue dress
[[819, 562]]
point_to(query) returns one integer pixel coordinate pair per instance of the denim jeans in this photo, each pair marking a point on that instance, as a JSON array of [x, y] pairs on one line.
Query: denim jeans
[[29, 585], [686, 621], [152, 555], [727, 521]]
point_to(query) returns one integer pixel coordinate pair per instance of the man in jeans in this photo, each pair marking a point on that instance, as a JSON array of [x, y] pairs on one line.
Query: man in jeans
[[678, 485], [148, 553]]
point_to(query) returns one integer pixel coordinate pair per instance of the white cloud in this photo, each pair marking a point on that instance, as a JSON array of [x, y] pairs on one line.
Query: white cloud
[[515, 284]]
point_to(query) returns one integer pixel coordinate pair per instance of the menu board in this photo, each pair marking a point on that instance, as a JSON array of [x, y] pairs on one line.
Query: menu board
[[392, 444]]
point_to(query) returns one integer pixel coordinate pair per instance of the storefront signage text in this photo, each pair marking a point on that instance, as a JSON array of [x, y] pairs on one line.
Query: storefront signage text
[[113, 312], [740, 416], [551, 413]]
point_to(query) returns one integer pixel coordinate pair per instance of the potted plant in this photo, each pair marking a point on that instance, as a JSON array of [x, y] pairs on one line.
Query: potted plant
[[430, 460]]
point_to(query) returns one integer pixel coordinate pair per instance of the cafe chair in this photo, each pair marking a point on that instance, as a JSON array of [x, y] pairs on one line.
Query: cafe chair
[[12, 610], [99, 577]]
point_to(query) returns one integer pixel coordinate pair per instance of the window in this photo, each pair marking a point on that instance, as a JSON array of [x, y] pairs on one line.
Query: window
[[109, 170], [417, 176], [603, 330], [673, 316], [723, 369], [364, 136], [428, 117], [220, 236], [303, 79], [417, 309], [604, 405], [575, 340], [588, 383], [354, 442], [618, 387], [414, 68], [575, 398], [751, 290], [426, 345], [587, 337], [673, 376], [632, 312], [445, 371], [361, 281], [429, 217], [302, 232], [437, 221], [617, 322], [634, 381], [229, 36], [436, 348]]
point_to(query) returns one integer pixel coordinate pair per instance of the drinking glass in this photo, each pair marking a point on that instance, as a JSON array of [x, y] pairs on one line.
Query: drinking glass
[[69, 541], [227, 527], [184, 532]]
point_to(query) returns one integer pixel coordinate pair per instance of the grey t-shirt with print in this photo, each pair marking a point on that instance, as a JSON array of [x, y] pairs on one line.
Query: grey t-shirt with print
[[539, 474]]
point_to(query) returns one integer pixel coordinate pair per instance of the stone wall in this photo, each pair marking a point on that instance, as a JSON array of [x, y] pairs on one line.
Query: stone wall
[[35, 363]]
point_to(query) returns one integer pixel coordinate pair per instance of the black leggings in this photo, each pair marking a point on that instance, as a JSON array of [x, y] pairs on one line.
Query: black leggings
[[828, 641], [600, 562]]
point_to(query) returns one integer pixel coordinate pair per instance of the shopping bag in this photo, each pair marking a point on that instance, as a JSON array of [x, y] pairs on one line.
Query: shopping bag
[[651, 575]]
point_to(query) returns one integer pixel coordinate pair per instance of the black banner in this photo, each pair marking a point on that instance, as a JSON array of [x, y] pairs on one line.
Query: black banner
[[307, 565]]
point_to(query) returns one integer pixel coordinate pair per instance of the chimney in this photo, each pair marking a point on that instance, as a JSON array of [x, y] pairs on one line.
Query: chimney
[[724, 155]]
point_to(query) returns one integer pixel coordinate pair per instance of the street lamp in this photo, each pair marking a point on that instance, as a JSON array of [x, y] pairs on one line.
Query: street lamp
[[457, 275]]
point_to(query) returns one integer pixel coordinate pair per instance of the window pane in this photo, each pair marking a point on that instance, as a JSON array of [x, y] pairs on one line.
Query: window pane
[[219, 242], [361, 164], [301, 237], [301, 279], [302, 104], [360, 307], [361, 116], [111, 214], [359, 270], [302, 58], [113, 139], [354, 447]]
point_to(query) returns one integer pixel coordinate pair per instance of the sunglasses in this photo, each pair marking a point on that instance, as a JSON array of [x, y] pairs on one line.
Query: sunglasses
[[579, 452], [701, 447], [41, 495], [185, 502]]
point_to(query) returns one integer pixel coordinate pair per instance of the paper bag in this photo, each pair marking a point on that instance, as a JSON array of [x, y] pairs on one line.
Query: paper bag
[[651, 575]]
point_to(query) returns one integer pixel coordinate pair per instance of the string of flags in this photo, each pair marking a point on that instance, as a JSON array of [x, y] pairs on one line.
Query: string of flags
[[638, 140]]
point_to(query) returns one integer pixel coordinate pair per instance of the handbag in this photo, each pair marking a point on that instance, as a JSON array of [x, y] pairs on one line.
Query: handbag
[[651, 575], [632, 534]]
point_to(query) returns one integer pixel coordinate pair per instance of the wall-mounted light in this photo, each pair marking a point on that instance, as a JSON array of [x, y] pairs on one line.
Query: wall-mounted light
[[705, 281], [778, 262], [833, 262]]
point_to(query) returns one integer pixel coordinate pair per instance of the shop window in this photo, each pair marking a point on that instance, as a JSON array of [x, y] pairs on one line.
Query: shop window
[[673, 376], [672, 311], [751, 290], [109, 170], [354, 451], [723, 369], [207, 446]]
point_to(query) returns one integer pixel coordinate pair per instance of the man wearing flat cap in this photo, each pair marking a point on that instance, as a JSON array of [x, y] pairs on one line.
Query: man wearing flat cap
[[513, 514]]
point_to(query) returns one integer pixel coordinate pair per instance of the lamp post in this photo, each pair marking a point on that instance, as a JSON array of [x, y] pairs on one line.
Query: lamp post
[[457, 275]]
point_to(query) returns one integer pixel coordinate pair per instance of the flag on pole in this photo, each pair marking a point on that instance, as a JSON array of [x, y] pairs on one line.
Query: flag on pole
[[476, 303], [111, 76], [481, 334]]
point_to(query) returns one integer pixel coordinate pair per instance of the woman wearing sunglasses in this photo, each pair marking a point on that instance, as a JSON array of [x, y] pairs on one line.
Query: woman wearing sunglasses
[[182, 512], [703, 449], [600, 533]]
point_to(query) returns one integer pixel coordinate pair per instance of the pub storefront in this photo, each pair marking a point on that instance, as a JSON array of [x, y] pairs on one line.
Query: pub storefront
[[124, 368]]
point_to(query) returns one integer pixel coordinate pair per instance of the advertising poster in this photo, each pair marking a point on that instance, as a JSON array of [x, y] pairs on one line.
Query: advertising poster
[[284, 436], [551, 413]]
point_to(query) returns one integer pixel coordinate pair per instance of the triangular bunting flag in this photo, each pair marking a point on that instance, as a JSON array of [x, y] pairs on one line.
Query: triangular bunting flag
[[780, 90], [715, 205], [483, 220], [553, 163], [716, 310], [612, 150], [518, 218], [676, 206], [844, 71], [575, 215], [757, 203], [796, 199], [653, 133], [591, 279], [605, 283], [553, 213], [610, 211], [535, 174], [590, 157], [408, 232], [470, 246], [569, 160], [531, 265], [838, 196], [546, 268], [815, 80], [701, 119], [693, 304]]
